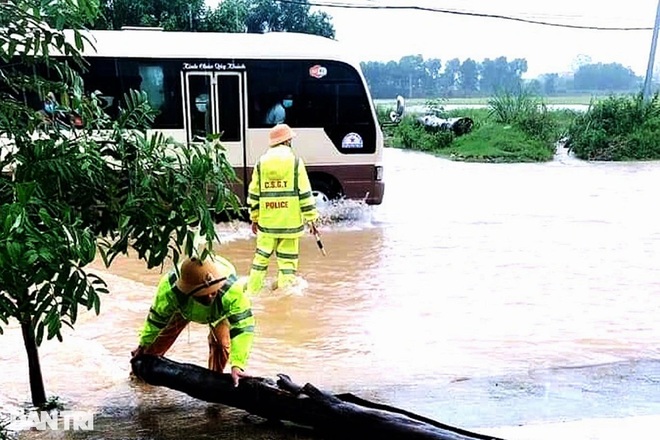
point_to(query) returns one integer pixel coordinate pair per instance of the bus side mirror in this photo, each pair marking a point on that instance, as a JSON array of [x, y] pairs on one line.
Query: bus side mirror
[[396, 115]]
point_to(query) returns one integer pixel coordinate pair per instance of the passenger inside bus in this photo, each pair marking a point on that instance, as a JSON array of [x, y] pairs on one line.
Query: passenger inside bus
[[277, 113], [51, 113], [49, 110]]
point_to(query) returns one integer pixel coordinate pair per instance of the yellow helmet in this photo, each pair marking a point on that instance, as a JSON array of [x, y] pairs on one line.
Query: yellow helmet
[[200, 278], [279, 134]]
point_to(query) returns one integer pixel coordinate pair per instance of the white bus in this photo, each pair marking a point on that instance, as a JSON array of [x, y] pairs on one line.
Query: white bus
[[204, 83]]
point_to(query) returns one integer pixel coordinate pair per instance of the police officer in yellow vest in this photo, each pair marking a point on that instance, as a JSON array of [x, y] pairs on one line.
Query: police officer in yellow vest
[[206, 292], [281, 203]]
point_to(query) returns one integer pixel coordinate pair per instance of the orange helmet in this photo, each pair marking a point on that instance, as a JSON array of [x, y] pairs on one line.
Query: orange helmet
[[279, 134], [200, 278]]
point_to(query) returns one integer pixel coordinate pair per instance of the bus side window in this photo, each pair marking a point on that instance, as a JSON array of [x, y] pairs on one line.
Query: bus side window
[[153, 84], [271, 82], [159, 79], [353, 107], [229, 108], [200, 107], [319, 106], [103, 77]]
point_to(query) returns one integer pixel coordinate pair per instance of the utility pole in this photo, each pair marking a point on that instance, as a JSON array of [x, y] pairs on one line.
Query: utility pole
[[654, 44]]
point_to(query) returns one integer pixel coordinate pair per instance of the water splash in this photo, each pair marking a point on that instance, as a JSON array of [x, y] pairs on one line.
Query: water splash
[[345, 212], [341, 214], [233, 231], [272, 291]]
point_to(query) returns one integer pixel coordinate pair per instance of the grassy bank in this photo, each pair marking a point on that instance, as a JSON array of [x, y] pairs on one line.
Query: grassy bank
[[523, 128], [550, 100], [513, 128], [618, 129]]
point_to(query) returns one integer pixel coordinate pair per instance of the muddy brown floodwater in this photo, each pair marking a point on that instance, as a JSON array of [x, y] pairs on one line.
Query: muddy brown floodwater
[[484, 296]]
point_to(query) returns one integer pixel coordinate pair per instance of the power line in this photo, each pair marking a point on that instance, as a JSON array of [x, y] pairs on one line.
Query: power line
[[466, 13]]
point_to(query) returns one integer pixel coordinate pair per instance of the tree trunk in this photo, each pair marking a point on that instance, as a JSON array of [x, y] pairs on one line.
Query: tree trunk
[[343, 416], [34, 368]]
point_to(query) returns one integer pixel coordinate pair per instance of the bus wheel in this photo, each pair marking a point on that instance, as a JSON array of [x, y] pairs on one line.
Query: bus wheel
[[322, 193]]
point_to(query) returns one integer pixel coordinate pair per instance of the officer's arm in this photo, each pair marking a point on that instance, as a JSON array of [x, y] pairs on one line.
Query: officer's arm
[[160, 313], [253, 194], [307, 201], [241, 325]]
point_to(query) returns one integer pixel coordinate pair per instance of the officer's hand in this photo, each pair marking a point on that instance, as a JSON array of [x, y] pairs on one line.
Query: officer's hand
[[254, 228], [236, 374]]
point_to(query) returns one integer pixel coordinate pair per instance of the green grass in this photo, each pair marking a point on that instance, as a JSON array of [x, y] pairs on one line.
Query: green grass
[[492, 142], [618, 128], [488, 142], [521, 128], [513, 128]]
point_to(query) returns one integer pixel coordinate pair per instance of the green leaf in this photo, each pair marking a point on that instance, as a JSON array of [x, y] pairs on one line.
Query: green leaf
[[17, 222], [42, 306], [15, 251], [190, 239], [44, 216], [28, 45], [97, 303], [60, 20], [85, 294], [78, 39], [7, 307], [175, 256], [38, 46], [11, 51], [73, 311], [24, 192], [87, 248], [71, 286], [46, 255], [31, 257], [54, 324], [39, 333], [104, 255], [43, 293], [59, 41]]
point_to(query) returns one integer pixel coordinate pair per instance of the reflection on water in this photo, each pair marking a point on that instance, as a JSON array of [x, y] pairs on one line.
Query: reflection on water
[[480, 295]]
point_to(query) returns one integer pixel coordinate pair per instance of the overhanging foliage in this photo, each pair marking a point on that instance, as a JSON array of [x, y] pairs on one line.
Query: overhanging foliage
[[74, 181]]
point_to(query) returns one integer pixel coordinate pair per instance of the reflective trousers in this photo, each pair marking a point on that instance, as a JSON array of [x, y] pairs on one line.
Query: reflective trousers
[[218, 341], [286, 251]]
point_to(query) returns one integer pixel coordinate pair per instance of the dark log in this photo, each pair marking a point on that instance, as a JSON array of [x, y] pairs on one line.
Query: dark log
[[343, 415]]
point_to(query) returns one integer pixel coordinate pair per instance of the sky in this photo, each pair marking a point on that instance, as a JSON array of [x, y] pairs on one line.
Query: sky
[[384, 35]]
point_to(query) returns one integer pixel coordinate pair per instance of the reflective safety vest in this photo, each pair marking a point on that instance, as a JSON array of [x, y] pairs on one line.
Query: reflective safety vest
[[231, 303], [280, 194]]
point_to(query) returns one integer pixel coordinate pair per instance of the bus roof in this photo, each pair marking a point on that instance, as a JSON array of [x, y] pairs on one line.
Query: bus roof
[[156, 43]]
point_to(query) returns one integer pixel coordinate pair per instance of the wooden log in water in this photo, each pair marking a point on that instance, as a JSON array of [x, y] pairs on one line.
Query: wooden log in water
[[344, 415]]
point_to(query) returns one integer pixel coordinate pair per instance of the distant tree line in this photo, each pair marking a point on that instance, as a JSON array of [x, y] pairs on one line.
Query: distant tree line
[[415, 77], [412, 76], [228, 16]]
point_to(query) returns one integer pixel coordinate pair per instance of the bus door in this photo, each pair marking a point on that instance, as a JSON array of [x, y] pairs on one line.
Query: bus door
[[214, 103]]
